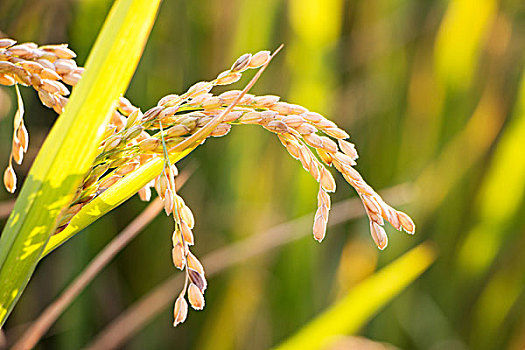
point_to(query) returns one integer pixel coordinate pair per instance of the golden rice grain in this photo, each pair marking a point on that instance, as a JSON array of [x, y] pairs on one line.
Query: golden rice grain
[[23, 136], [221, 130], [7, 80], [266, 101], [319, 228], [259, 59], [348, 149], [242, 63], [195, 297], [6, 42], [194, 263], [187, 216], [229, 78], [406, 222], [198, 279], [379, 235], [177, 254], [180, 311], [10, 179], [187, 234], [327, 180]]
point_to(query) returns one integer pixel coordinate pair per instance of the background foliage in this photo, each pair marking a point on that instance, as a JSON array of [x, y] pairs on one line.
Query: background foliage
[[433, 94]]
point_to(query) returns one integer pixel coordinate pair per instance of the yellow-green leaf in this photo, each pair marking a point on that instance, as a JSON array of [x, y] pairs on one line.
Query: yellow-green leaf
[[363, 301], [70, 148]]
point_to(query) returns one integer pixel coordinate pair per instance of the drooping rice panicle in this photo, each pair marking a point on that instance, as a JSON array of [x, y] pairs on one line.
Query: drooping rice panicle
[[133, 138]]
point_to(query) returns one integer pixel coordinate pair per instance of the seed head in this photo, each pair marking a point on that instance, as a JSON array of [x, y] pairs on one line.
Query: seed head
[[10, 179], [149, 145], [168, 202], [17, 152], [328, 145], [177, 254], [169, 100], [61, 51], [161, 185], [152, 113], [337, 133], [327, 180], [390, 214], [242, 63], [127, 168], [379, 235], [293, 149], [21, 50], [94, 175], [348, 148], [109, 181], [64, 66], [145, 193], [325, 156], [199, 88], [195, 297], [259, 59], [112, 143], [194, 263], [227, 78], [7, 80], [133, 132], [5, 43], [293, 121], [229, 96], [305, 129], [305, 157], [212, 102], [319, 228], [313, 140], [198, 279], [187, 216], [406, 222], [344, 159], [180, 311], [221, 130], [49, 73], [186, 233], [265, 101], [314, 170], [277, 127], [323, 199]]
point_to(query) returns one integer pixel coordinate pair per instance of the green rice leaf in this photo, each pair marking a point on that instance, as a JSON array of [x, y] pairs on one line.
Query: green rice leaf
[[70, 148], [352, 312]]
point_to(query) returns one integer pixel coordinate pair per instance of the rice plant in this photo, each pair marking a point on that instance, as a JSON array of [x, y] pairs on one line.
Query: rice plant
[[133, 140]]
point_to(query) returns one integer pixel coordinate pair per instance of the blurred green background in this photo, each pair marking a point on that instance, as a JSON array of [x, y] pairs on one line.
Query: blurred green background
[[433, 95]]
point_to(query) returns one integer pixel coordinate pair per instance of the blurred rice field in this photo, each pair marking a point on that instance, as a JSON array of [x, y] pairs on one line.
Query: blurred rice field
[[433, 94]]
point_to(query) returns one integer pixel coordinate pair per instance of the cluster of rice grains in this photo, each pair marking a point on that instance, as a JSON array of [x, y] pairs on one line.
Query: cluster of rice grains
[[133, 138], [46, 69]]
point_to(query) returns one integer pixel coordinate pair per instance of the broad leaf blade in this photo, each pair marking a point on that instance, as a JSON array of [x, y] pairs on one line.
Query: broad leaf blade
[[71, 146], [362, 302]]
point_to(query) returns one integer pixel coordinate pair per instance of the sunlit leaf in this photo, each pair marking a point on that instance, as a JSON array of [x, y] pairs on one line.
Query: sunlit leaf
[[349, 314], [71, 146]]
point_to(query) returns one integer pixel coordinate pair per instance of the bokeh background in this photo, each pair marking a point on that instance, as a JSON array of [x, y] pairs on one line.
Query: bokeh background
[[433, 95]]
